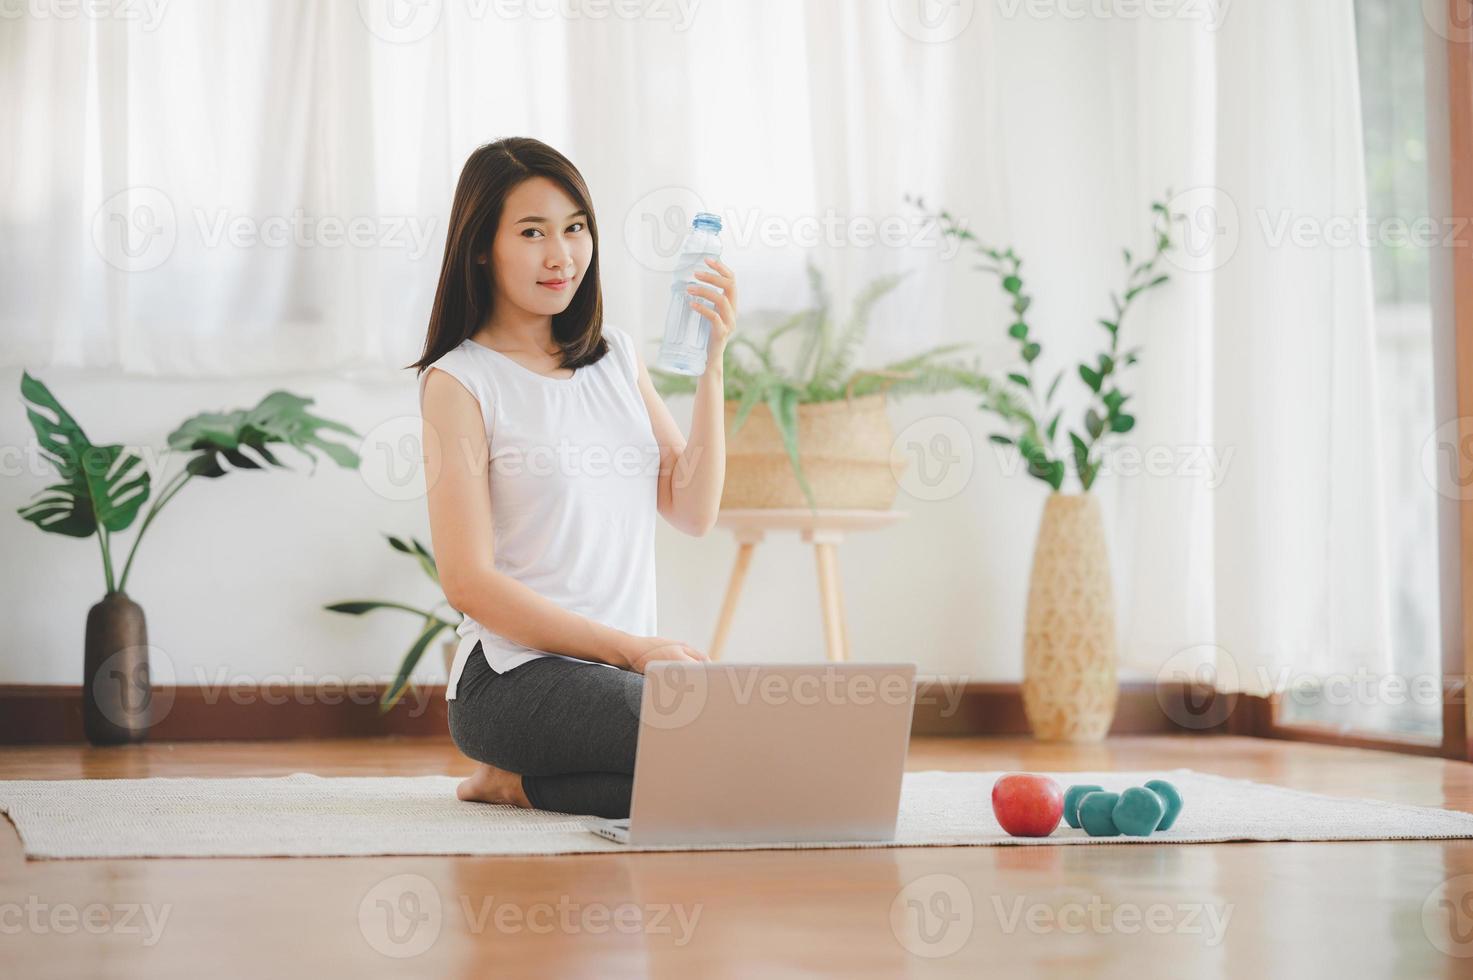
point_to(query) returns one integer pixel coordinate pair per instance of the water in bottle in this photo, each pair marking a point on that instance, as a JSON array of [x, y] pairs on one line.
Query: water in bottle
[[683, 350]]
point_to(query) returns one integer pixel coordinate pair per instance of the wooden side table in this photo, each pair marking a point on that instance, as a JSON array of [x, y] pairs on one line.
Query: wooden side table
[[825, 529]]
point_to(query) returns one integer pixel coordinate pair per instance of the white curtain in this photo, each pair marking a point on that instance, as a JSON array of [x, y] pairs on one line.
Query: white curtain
[[240, 189], [1277, 560], [244, 189], [1300, 526]]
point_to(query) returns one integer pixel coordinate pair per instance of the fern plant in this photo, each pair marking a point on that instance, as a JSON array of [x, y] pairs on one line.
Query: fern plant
[[820, 365], [1023, 403]]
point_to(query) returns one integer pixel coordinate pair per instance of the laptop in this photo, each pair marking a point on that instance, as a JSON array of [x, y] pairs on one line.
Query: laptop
[[760, 753]]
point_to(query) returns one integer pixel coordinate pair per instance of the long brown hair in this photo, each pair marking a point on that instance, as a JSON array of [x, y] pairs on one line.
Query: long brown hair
[[467, 291]]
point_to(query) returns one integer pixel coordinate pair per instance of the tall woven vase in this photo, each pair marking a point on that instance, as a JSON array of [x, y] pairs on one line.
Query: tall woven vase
[[1069, 684]]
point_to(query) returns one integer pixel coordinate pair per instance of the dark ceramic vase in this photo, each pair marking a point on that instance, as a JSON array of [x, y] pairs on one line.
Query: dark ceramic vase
[[116, 693]]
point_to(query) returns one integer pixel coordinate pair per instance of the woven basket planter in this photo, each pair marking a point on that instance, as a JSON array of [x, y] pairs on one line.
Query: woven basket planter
[[1069, 684], [847, 449]]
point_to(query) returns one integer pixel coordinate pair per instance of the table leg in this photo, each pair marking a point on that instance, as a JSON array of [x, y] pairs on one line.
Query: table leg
[[728, 605], [836, 639]]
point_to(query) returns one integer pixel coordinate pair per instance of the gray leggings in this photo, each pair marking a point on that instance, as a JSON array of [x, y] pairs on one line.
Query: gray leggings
[[568, 726]]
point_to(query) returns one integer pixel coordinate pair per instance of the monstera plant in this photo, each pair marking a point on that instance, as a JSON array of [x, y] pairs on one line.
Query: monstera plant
[[102, 490]]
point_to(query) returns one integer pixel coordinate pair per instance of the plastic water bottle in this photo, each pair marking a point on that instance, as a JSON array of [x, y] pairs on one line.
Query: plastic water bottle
[[683, 350]]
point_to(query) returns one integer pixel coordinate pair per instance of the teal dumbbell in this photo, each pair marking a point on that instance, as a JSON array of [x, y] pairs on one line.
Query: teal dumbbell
[[1138, 812], [1135, 812], [1097, 813], [1170, 797], [1072, 796]]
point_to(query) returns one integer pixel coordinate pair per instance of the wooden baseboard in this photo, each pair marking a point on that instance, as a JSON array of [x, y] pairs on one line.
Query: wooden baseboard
[[1143, 708], [31, 714], [53, 713]]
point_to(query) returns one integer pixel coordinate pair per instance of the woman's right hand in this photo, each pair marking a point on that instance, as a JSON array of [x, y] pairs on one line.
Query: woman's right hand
[[640, 651]]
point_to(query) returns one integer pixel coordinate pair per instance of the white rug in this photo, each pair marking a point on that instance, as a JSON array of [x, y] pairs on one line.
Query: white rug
[[303, 815]]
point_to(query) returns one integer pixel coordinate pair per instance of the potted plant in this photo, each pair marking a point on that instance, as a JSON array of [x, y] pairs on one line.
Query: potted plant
[[1069, 655], [818, 434], [430, 621], [101, 491]]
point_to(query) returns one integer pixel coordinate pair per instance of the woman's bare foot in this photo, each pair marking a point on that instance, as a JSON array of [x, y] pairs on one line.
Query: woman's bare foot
[[491, 785]]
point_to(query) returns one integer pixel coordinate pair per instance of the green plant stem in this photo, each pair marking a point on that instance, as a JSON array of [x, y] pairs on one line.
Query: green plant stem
[[1033, 418], [1103, 411], [1141, 279], [107, 560], [1040, 410], [173, 487], [1086, 480]]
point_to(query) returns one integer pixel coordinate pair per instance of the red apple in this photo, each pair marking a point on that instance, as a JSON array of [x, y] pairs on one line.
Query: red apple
[[1027, 804]]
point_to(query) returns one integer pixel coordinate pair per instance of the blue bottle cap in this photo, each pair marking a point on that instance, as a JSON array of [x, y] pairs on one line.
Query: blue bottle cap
[[706, 221]]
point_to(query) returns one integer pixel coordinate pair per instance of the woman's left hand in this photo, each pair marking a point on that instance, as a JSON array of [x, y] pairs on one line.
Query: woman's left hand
[[723, 317]]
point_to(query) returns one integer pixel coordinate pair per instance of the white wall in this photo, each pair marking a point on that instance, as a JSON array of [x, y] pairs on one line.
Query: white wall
[[235, 571]]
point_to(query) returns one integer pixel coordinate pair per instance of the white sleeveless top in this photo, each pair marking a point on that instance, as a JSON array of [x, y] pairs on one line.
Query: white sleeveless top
[[574, 483]]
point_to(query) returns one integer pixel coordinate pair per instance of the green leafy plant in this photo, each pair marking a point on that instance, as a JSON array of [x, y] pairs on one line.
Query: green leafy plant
[[1027, 406], [817, 364], [104, 487], [431, 623]]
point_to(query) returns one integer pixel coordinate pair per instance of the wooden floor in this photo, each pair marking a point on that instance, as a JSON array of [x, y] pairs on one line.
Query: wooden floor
[[1190, 910]]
